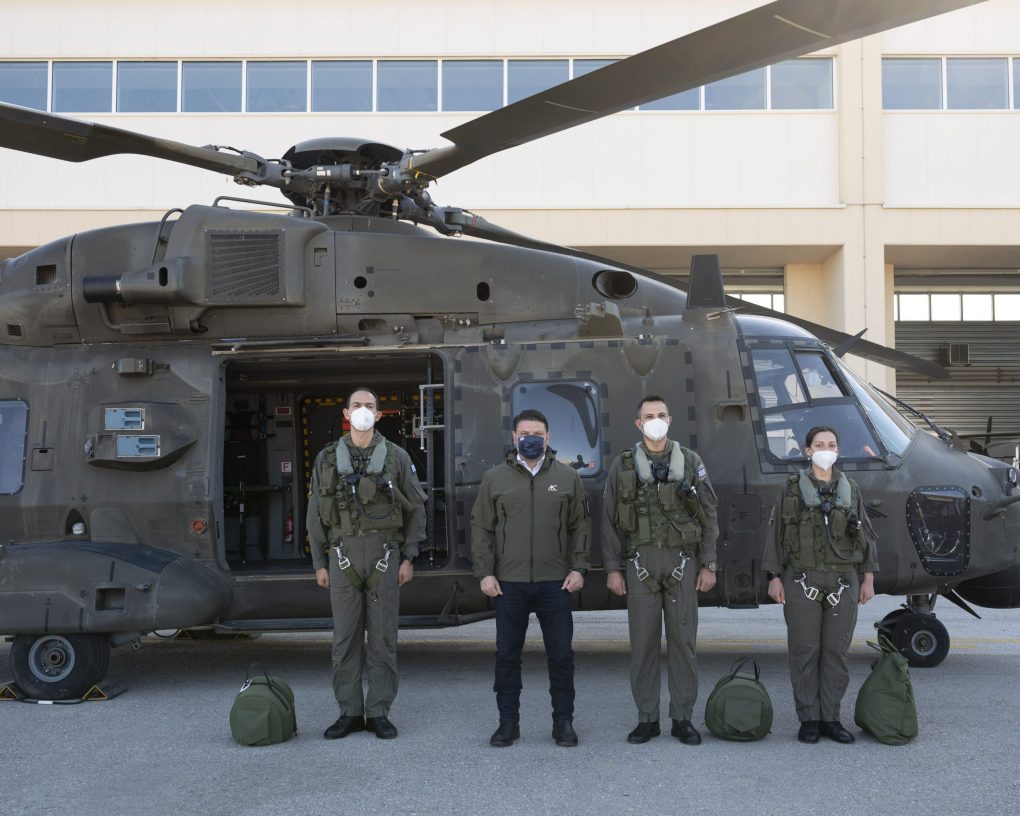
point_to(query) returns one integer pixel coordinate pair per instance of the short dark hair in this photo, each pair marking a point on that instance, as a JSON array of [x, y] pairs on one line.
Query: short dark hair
[[375, 396], [817, 430], [651, 398], [532, 415]]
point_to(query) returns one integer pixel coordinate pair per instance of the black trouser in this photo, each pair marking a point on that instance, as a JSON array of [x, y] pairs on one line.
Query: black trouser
[[552, 605]]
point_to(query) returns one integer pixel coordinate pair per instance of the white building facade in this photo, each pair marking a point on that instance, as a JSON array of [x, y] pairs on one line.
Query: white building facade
[[830, 186]]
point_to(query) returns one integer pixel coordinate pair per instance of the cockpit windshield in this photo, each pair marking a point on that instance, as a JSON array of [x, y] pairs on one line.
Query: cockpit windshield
[[797, 390], [893, 429]]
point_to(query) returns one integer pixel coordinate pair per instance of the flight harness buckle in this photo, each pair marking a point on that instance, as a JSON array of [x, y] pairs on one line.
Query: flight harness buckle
[[678, 571], [343, 562], [639, 571], [833, 597], [810, 592], [383, 563]]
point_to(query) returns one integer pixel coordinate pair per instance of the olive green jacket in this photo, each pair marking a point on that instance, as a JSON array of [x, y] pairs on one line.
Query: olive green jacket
[[530, 528]]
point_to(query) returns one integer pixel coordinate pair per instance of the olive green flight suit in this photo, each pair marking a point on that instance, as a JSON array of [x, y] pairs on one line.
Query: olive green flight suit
[[819, 634], [372, 611], [676, 604]]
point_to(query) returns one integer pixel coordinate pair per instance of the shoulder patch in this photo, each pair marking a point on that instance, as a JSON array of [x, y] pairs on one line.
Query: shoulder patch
[[702, 472]]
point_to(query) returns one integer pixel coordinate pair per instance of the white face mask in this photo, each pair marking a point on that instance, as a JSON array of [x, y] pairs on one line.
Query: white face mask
[[362, 419], [655, 429], [824, 459]]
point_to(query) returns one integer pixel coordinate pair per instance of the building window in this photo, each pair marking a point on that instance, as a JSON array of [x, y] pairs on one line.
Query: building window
[[528, 77], [277, 87], [573, 413], [769, 300], [802, 84], [13, 428], [945, 307], [586, 66], [977, 84], [912, 84], [211, 87], [407, 85], [1016, 83], [913, 307], [82, 87], [24, 83], [1007, 307], [977, 307], [342, 85], [147, 87], [956, 306], [472, 85], [685, 100], [742, 92]]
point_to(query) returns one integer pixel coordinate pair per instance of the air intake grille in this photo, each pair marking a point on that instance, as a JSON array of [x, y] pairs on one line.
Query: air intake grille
[[244, 265]]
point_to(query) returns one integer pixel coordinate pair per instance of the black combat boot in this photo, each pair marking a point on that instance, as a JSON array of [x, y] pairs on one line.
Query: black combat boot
[[344, 726], [644, 732], [809, 731], [835, 731], [564, 734], [685, 732], [504, 736], [382, 727]]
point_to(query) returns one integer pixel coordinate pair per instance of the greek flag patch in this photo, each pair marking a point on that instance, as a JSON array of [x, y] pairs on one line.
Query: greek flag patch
[[702, 472]]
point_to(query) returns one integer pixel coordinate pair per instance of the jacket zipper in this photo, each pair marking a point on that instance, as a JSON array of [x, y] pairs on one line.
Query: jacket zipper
[[531, 564]]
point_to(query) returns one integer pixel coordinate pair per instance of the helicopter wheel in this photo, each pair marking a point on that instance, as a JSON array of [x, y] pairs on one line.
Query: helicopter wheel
[[59, 667], [887, 625], [921, 639]]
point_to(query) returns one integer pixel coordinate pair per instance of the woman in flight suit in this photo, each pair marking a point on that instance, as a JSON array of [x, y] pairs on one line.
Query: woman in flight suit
[[820, 560]]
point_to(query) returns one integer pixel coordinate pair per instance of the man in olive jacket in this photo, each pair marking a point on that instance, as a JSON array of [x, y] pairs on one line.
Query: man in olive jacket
[[530, 533]]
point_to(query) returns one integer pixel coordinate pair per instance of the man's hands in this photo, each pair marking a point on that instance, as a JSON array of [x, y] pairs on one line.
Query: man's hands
[[776, 591], [706, 580], [490, 586], [406, 573], [322, 577], [616, 583], [573, 582]]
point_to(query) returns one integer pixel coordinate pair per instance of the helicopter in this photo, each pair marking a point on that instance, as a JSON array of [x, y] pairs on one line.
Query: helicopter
[[166, 386]]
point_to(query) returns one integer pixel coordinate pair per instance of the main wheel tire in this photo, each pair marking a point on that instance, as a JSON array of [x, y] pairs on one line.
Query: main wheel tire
[[922, 640], [59, 667], [887, 625]]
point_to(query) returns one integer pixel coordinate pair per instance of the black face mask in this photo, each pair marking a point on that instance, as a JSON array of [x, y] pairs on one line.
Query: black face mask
[[530, 446]]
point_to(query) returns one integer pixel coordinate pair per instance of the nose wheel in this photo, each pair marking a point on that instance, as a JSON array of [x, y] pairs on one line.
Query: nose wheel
[[919, 637]]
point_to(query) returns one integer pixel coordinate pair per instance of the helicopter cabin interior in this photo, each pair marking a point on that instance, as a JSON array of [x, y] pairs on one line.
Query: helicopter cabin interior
[[280, 413]]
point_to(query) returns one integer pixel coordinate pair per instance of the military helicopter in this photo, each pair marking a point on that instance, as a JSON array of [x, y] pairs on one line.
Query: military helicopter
[[166, 386]]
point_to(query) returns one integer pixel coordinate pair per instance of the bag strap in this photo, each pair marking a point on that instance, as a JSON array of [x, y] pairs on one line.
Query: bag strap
[[739, 664], [269, 684]]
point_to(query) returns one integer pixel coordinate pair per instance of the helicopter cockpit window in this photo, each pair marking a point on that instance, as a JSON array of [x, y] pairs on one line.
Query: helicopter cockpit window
[[799, 391], [13, 426], [895, 431], [573, 413]]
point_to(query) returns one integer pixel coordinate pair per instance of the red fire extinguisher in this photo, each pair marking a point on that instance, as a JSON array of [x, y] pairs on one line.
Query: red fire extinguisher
[[288, 528]]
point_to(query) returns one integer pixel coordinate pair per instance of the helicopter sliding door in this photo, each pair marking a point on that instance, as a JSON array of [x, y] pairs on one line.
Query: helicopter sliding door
[[281, 412]]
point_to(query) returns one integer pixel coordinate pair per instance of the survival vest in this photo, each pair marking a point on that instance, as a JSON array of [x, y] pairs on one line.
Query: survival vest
[[805, 541], [652, 512], [364, 499]]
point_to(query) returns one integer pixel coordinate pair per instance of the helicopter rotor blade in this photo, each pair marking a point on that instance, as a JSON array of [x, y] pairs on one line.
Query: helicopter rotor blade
[[772, 33], [59, 137], [477, 227]]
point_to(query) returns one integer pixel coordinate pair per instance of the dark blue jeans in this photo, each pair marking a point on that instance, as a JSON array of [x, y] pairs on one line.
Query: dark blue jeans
[[552, 606]]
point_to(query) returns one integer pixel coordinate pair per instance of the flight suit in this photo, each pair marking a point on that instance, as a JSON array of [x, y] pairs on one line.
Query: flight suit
[[364, 598], [654, 522], [818, 632]]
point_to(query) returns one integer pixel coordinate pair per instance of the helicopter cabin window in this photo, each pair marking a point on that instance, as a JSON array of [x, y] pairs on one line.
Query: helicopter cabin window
[[24, 83], [894, 430], [741, 92], [799, 391], [342, 85], [407, 85], [211, 87], [13, 427], [277, 86], [573, 413], [82, 87], [527, 77], [146, 86], [472, 85]]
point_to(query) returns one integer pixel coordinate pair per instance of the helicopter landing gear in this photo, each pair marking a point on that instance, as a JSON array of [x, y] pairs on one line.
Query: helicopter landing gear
[[916, 633], [59, 667]]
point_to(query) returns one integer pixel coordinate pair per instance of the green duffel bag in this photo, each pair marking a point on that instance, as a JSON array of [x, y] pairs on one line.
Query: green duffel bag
[[263, 711], [739, 708], [885, 704]]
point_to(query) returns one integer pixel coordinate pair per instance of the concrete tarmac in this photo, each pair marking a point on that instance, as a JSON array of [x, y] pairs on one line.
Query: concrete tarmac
[[164, 746]]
